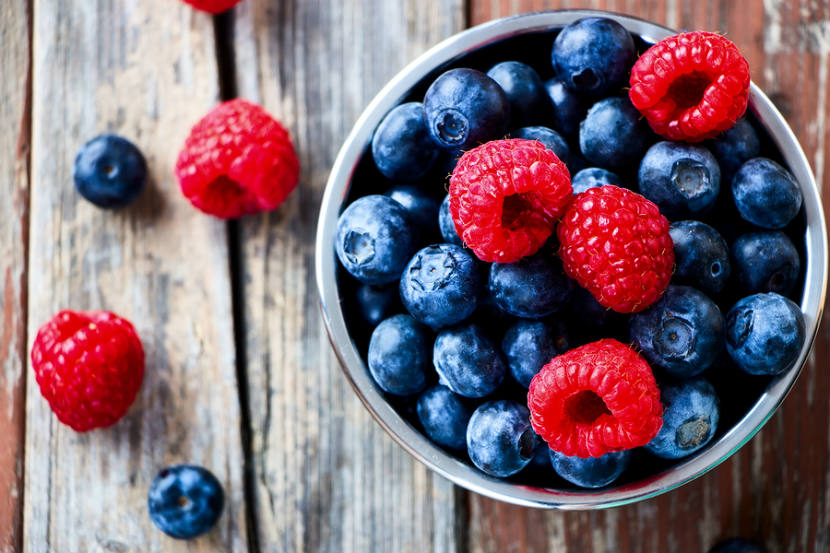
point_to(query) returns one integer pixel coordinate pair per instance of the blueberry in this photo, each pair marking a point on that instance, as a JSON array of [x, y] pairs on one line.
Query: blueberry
[[682, 332], [399, 355], [444, 417], [766, 194], [701, 256], [764, 333], [682, 179], [500, 440], [374, 239], [375, 303], [467, 361], [540, 462], [529, 345], [524, 90], [690, 418], [441, 285], [401, 146], [593, 55], [569, 107], [465, 108], [109, 171], [766, 262], [421, 209], [532, 287], [446, 224], [613, 134], [593, 177], [735, 146], [738, 545], [185, 501], [549, 138], [584, 308], [593, 472]]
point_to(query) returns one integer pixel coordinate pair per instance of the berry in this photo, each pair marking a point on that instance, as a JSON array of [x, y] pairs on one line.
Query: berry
[[735, 146], [467, 361], [505, 197], [549, 138], [539, 464], [237, 160], [766, 262], [593, 472], [764, 333], [682, 332], [374, 239], [592, 177], [593, 55], [398, 356], [213, 6], [569, 107], [401, 146], [185, 501], [441, 285], [89, 367], [532, 287], [613, 134], [690, 418], [529, 345], [464, 108], [109, 171], [584, 309], [616, 244], [446, 225], [738, 545], [375, 303], [524, 90], [766, 194], [691, 86], [682, 179], [701, 256], [444, 417], [421, 209], [594, 399], [500, 440]]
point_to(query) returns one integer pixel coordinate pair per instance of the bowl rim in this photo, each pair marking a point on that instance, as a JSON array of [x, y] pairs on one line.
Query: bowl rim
[[411, 439]]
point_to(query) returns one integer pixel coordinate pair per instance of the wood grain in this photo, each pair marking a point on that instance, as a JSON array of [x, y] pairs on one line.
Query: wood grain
[[328, 478], [145, 69]]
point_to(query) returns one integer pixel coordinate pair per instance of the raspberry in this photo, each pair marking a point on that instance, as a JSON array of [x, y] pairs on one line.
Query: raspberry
[[89, 366], [237, 160], [616, 245], [691, 86], [213, 6], [505, 197], [594, 399]]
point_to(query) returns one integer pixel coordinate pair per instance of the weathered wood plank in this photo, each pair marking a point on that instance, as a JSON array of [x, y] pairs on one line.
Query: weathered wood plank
[[15, 59], [146, 70], [327, 477]]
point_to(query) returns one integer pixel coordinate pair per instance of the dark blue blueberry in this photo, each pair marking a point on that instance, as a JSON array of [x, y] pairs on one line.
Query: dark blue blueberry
[[422, 209], [500, 440], [109, 171], [764, 333], [529, 345], [690, 418], [569, 107], [593, 55], [701, 256], [375, 303], [444, 417], [540, 463], [446, 224], [532, 287], [766, 262], [401, 146], [593, 472], [549, 138], [374, 239], [467, 361], [465, 108], [441, 285], [682, 332], [185, 501], [593, 177], [613, 134], [738, 545], [765, 193], [399, 355], [524, 89], [735, 146], [682, 179]]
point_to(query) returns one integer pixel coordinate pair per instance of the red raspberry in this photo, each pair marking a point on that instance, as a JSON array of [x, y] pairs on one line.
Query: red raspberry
[[89, 366], [213, 6], [237, 160], [594, 399], [691, 86], [616, 245], [505, 198]]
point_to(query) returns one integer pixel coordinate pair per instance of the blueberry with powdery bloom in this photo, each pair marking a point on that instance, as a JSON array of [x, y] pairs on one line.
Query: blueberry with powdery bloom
[[532, 287], [398, 355], [766, 261], [691, 411], [613, 134], [735, 146], [701, 256], [591, 472], [524, 89], [467, 362], [446, 224], [401, 146], [569, 107], [500, 440], [444, 417], [529, 345], [422, 209], [766, 194], [592, 177], [549, 138]]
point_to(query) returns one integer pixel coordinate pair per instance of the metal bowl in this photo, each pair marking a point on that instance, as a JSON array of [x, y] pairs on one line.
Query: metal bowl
[[812, 299]]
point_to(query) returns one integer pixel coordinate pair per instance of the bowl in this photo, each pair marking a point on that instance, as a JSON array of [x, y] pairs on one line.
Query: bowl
[[414, 79]]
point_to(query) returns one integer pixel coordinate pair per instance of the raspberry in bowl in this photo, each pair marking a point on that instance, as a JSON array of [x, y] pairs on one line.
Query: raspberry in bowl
[[590, 297]]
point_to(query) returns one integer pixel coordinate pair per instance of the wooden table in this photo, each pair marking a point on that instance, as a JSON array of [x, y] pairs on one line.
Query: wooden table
[[240, 375]]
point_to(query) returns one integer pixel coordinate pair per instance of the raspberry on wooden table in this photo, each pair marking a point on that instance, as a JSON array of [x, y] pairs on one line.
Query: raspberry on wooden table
[[212, 6]]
